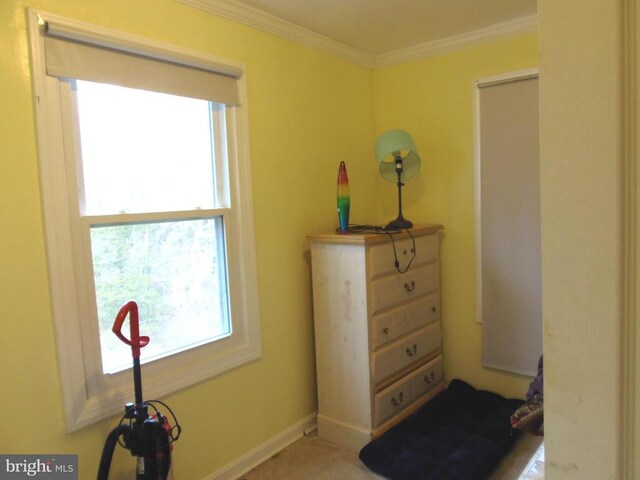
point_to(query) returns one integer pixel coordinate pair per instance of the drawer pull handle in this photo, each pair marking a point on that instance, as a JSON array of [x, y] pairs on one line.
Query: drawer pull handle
[[411, 352], [397, 401], [430, 378], [410, 287], [434, 309], [385, 330]]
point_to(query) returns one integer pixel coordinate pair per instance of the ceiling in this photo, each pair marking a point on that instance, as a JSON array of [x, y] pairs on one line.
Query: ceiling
[[377, 33], [383, 26]]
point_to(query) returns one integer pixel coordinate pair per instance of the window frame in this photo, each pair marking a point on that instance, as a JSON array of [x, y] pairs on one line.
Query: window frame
[[85, 400]]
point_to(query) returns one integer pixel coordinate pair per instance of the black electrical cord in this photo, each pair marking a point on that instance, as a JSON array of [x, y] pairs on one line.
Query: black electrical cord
[[176, 429], [354, 228], [395, 253], [176, 426]]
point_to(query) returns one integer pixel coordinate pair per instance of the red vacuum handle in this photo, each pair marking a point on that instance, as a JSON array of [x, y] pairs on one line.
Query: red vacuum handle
[[136, 341]]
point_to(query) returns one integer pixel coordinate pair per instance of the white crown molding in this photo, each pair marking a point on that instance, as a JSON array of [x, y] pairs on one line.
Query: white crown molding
[[271, 24], [500, 31], [266, 22]]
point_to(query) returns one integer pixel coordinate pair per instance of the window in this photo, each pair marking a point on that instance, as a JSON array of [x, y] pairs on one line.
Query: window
[[146, 193]]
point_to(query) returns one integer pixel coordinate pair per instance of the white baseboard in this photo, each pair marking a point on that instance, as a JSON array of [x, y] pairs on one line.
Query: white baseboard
[[265, 451]]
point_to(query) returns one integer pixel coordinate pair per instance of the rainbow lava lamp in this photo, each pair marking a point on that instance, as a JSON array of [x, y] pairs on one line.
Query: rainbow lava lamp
[[344, 200]]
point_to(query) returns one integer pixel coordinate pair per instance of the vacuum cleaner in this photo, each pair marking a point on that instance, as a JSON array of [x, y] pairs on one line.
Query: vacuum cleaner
[[143, 429]]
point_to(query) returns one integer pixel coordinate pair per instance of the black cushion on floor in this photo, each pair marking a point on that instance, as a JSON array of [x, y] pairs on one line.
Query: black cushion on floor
[[460, 435]]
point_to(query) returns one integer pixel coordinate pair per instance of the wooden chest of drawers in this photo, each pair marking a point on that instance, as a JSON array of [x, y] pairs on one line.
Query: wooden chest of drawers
[[377, 331]]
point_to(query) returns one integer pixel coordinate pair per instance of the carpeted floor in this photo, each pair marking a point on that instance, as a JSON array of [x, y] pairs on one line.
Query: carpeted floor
[[312, 458]]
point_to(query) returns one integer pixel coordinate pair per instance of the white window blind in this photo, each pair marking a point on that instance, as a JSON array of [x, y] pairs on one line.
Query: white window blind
[[509, 261], [69, 55]]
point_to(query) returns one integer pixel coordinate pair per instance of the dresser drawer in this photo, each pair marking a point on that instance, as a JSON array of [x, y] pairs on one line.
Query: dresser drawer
[[406, 351], [382, 259], [388, 326], [427, 377], [396, 289], [392, 400], [395, 398]]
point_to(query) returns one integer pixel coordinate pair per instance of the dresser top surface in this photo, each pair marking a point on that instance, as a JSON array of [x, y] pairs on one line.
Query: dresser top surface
[[373, 238]]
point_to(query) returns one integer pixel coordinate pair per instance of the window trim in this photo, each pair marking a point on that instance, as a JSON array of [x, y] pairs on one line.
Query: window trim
[[83, 408]]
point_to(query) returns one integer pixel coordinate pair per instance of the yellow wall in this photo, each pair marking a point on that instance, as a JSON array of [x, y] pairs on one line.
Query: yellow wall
[[433, 100], [307, 111]]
